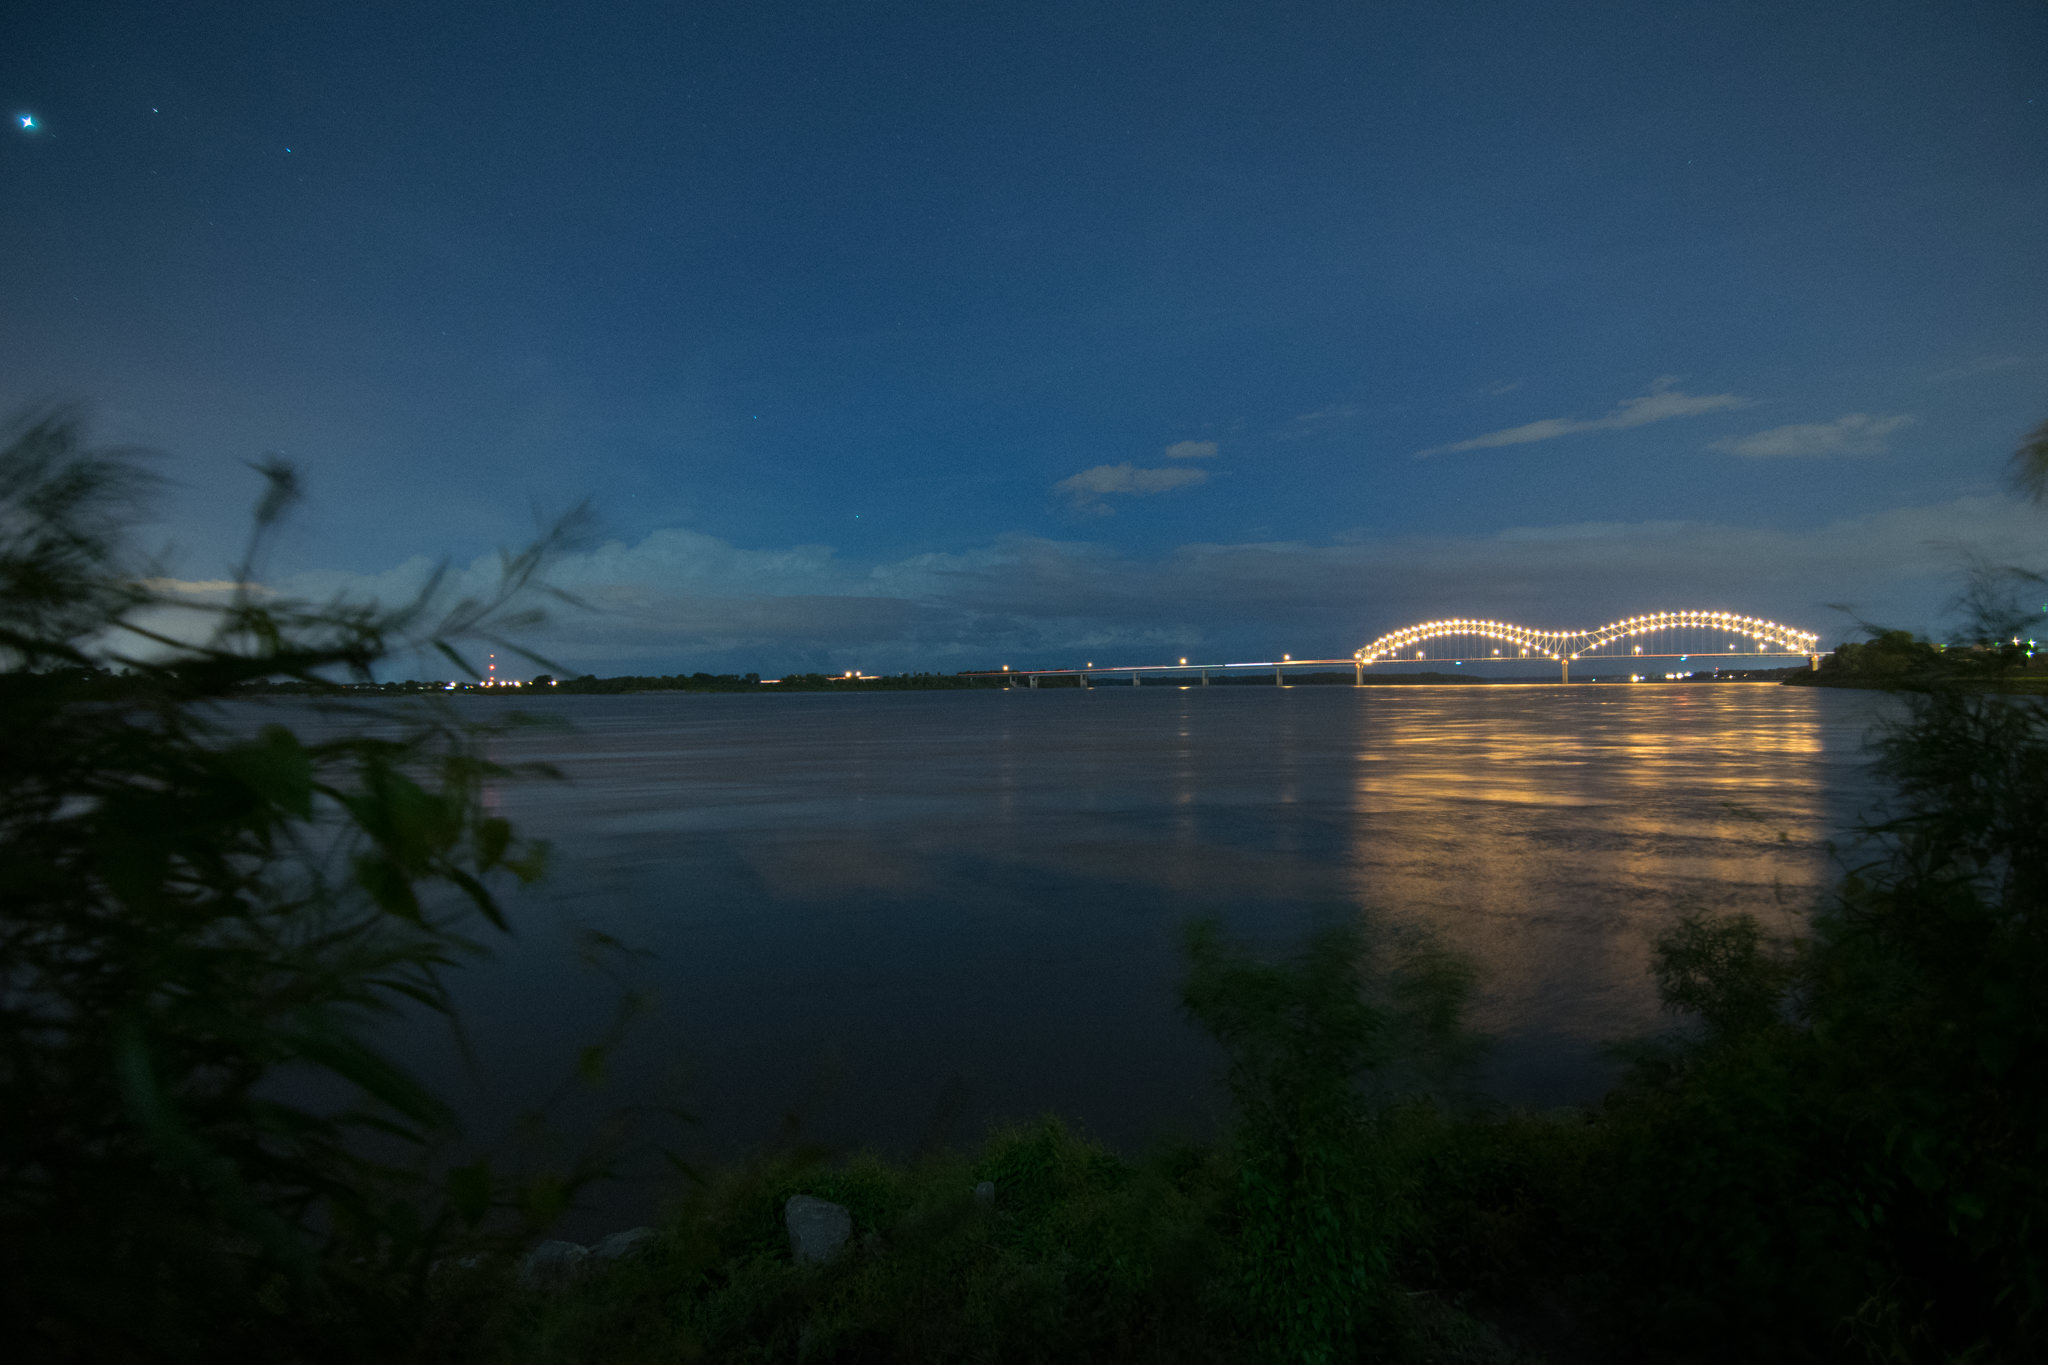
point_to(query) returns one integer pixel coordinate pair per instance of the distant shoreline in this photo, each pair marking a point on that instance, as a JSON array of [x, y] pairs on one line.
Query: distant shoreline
[[642, 685]]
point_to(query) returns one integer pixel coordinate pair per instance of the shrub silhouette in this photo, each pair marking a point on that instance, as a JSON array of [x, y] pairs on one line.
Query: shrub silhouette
[[1852, 1154], [1319, 1048], [190, 912]]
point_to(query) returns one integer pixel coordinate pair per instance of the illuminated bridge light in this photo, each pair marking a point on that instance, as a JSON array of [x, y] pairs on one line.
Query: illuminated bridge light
[[1566, 645]]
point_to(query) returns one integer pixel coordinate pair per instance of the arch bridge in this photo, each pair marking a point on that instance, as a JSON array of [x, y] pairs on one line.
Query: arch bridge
[[1655, 635], [1683, 635]]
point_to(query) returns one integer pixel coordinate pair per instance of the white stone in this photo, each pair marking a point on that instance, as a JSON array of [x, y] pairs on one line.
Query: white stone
[[620, 1245], [552, 1264], [818, 1228]]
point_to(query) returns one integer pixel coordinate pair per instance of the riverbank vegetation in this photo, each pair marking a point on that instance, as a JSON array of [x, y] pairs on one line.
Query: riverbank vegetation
[[203, 1149], [1899, 661], [589, 685], [1839, 1151]]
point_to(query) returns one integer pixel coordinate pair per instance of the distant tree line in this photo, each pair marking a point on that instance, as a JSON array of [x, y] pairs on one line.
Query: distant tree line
[[111, 683], [1899, 659], [591, 685]]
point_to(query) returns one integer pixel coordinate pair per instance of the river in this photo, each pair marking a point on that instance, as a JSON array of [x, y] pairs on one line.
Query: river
[[888, 918]]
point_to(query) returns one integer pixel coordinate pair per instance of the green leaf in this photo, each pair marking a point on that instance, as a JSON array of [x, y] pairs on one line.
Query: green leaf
[[493, 837], [480, 896], [543, 1199], [320, 1040], [277, 768], [389, 887], [469, 1191]]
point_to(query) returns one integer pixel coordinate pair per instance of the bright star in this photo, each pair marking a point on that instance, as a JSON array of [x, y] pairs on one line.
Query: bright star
[[28, 122]]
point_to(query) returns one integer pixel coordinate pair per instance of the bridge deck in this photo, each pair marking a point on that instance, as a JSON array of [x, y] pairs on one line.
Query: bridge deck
[[1287, 664], [1663, 633]]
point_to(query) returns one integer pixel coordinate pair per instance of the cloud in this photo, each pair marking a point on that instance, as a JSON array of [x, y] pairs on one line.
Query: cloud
[[200, 587], [1853, 433], [1662, 403], [1090, 486], [1191, 450], [1336, 412], [1991, 364], [1319, 422], [682, 601]]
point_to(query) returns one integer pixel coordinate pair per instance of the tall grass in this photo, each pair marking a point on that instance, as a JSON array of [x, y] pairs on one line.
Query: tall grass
[[1320, 1049], [191, 913]]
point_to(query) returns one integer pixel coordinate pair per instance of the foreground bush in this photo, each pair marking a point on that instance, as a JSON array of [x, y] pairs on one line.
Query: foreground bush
[[1083, 1256], [1279, 1244], [1853, 1156], [197, 922]]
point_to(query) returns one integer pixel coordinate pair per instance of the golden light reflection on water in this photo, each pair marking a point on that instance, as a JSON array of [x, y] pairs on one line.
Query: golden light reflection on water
[[1553, 848], [994, 885]]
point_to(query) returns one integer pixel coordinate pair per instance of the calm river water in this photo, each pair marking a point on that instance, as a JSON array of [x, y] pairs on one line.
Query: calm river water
[[899, 915]]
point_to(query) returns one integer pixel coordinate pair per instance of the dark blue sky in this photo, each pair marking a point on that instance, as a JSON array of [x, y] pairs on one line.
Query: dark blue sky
[[935, 336]]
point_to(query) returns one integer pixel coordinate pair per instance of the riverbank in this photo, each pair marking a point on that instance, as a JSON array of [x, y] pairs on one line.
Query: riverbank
[[1040, 1244]]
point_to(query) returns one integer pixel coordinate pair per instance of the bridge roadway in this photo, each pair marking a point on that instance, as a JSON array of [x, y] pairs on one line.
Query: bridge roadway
[[1137, 672], [1561, 647]]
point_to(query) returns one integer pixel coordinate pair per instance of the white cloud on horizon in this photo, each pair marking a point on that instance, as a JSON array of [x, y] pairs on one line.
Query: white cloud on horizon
[[200, 587], [1191, 450], [682, 600], [1662, 403], [1853, 433]]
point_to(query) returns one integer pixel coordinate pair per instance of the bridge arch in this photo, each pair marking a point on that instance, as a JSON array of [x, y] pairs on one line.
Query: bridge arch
[[1563, 646]]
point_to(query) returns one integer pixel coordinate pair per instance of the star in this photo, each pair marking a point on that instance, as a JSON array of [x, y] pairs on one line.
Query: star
[[28, 122]]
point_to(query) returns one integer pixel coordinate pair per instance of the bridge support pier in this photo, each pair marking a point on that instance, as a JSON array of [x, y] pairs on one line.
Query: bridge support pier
[[1564, 670], [1359, 668], [1084, 682], [1034, 680], [1134, 677], [1205, 677]]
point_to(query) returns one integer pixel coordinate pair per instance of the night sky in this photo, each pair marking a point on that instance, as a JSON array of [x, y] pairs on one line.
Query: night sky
[[942, 336]]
